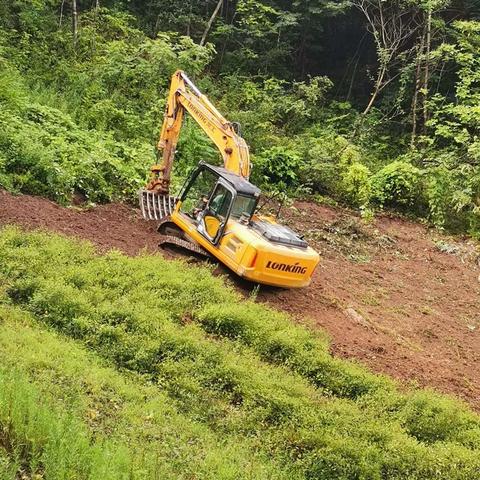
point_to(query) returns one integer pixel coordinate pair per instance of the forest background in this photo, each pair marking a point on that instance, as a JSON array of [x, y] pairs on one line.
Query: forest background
[[373, 104]]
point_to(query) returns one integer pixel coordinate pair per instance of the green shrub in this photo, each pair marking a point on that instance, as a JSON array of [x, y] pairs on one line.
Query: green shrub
[[85, 123], [45, 153], [277, 341], [439, 193], [357, 184], [432, 418], [334, 166], [397, 184], [277, 166]]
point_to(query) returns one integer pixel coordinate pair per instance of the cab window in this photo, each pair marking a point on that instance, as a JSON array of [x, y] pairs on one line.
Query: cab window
[[199, 192], [243, 205], [220, 201]]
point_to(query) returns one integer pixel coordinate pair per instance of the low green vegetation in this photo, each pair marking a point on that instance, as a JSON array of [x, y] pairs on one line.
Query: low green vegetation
[[119, 367]]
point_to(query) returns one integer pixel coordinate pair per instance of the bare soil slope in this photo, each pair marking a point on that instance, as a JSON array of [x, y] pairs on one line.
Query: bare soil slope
[[108, 226], [392, 294]]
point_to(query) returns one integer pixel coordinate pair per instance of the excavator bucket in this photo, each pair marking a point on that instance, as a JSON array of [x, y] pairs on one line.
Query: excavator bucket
[[155, 206]]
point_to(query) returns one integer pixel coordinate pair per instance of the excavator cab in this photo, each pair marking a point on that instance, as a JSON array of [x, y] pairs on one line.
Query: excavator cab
[[216, 211], [228, 196]]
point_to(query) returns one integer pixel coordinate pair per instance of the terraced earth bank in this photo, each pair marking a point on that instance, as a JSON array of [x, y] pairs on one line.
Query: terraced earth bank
[[398, 297]]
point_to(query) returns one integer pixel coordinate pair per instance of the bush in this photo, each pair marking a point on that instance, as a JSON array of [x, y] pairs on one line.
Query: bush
[[277, 166], [397, 184], [87, 122], [357, 184], [44, 152], [439, 191], [272, 336]]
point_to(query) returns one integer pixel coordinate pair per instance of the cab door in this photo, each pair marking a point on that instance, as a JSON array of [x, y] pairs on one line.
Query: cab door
[[213, 219]]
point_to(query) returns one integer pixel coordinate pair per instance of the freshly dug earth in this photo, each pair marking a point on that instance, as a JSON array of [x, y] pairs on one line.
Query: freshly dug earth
[[108, 226], [397, 297]]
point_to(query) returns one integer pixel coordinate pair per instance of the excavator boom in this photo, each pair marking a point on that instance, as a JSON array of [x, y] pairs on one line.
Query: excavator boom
[[185, 96]]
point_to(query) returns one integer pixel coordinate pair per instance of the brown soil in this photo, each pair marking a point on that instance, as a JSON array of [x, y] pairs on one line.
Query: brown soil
[[108, 226], [392, 294]]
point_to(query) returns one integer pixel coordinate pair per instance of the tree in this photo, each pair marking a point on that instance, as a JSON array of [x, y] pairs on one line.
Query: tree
[[74, 23], [393, 24], [429, 10], [210, 22]]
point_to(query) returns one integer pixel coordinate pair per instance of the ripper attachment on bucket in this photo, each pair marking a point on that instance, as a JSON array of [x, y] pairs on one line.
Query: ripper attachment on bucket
[[155, 206]]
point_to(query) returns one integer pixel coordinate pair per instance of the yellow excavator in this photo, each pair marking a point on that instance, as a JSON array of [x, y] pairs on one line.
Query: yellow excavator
[[215, 211]]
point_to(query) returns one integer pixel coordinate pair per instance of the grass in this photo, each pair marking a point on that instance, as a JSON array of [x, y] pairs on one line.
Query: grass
[[168, 366], [40, 439], [63, 394]]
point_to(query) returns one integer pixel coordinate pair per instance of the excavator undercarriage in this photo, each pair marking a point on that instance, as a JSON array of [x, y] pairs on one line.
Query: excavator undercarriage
[[172, 235]]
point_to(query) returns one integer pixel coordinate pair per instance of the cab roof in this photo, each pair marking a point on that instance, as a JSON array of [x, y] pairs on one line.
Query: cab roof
[[242, 186]]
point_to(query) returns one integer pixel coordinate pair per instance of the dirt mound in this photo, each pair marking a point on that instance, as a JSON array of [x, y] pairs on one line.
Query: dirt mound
[[397, 297]]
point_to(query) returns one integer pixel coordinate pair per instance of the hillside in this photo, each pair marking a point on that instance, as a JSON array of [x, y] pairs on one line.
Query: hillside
[[139, 367], [122, 361], [372, 104], [394, 295]]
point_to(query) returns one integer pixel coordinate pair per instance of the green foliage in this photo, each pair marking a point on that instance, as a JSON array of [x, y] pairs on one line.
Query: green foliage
[[397, 184], [51, 442], [189, 367], [277, 166], [334, 166], [88, 125], [194, 146], [128, 422], [274, 338], [439, 195], [357, 184], [83, 120], [452, 146], [45, 153], [270, 109]]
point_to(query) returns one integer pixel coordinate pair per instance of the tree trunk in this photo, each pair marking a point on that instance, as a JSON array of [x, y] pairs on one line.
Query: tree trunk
[[418, 72], [426, 78], [74, 23], [376, 90], [210, 22], [352, 80], [61, 13], [189, 19], [223, 50], [95, 18]]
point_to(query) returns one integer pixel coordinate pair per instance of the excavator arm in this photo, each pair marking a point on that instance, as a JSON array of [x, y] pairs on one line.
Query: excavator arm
[[185, 96]]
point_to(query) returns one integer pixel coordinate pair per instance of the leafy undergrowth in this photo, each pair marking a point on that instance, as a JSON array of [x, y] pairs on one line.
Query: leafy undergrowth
[[144, 368]]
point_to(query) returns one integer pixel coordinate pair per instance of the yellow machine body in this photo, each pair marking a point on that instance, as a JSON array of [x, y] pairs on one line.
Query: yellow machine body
[[250, 256]]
